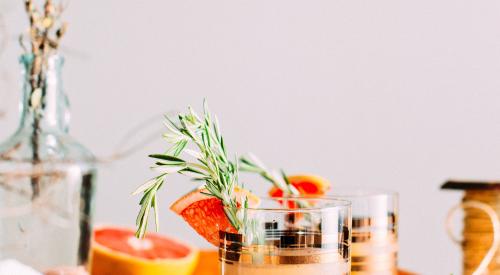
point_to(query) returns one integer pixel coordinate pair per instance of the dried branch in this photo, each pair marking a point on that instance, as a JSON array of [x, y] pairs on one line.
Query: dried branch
[[45, 33]]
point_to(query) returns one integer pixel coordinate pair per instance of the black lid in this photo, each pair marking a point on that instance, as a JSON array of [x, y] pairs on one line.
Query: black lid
[[471, 185]]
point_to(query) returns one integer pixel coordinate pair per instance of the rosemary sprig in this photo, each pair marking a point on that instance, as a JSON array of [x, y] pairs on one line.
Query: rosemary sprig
[[207, 162], [279, 179]]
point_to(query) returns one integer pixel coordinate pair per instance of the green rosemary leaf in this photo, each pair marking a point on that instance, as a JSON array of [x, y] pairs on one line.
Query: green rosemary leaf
[[145, 186], [172, 164], [169, 169], [285, 177], [155, 206], [192, 170], [144, 213], [169, 121], [167, 158], [204, 139], [199, 179], [177, 149], [208, 194], [145, 197], [249, 168], [174, 131], [216, 129], [187, 133], [222, 146], [207, 137], [206, 110], [194, 114]]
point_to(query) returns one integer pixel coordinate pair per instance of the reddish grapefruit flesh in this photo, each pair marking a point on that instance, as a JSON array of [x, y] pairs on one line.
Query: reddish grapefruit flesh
[[306, 185], [205, 214], [207, 217], [156, 247]]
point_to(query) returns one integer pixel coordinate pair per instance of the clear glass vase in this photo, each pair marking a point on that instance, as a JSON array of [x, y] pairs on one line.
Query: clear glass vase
[[47, 182]]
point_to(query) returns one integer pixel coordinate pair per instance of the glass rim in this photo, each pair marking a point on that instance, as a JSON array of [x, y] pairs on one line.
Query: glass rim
[[334, 203], [360, 192]]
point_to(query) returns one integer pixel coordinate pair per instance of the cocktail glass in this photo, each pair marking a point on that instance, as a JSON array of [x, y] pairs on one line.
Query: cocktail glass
[[374, 248], [292, 236]]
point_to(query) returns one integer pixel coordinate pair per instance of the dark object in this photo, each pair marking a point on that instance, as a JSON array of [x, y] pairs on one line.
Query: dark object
[[271, 225], [471, 185]]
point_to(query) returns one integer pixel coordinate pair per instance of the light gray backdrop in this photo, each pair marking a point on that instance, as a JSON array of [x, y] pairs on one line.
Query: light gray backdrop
[[394, 94]]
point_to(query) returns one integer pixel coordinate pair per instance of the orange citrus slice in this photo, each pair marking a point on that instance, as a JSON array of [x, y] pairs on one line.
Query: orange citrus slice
[[305, 184], [205, 214], [117, 251]]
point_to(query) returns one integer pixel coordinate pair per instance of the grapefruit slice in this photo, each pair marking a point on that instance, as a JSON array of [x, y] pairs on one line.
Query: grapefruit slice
[[117, 251], [305, 184], [205, 214]]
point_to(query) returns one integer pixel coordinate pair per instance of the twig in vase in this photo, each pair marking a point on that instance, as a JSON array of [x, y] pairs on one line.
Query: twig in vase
[[45, 33]]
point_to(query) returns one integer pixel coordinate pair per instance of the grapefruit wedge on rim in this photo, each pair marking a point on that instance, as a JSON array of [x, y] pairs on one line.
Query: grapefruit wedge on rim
[[305, 184], [116, 250], [206, 215]]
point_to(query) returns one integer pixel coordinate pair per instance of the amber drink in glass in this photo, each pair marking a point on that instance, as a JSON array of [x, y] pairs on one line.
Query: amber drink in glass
[[293, 236]]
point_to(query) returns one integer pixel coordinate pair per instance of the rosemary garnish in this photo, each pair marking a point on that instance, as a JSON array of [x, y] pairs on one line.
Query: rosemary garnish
[[279, 179], [208, 161]]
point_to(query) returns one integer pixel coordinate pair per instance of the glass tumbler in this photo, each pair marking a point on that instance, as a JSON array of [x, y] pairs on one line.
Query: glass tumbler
[[374, 247], [293, 236]]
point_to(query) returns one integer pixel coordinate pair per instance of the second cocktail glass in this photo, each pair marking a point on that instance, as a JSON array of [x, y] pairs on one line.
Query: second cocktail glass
[[293, 236], [374, 248]]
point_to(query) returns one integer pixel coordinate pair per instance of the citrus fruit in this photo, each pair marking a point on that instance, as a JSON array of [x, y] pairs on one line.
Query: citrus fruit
[[305, 184], [117, 251], [205, 214], [208, 264]]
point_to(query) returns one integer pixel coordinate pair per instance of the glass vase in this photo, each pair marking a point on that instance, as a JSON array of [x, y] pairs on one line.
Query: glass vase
[[47, 182]]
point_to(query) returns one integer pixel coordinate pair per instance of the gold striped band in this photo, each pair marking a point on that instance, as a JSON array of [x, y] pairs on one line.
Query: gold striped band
[[302, 256]]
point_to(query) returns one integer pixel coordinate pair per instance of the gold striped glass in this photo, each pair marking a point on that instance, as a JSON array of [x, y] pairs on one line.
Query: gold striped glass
[[293, 236], [374, 247]]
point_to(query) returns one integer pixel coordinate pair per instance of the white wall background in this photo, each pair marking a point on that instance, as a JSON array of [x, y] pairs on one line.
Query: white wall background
[[394, 94]]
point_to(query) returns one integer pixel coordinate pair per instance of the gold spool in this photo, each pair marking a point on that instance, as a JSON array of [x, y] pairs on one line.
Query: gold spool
[[478, 231], [481, 204]]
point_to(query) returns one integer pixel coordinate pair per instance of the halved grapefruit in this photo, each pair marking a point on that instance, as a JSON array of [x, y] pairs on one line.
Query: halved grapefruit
[[117, 251], [205, 214], [305, 184], [208, 264]]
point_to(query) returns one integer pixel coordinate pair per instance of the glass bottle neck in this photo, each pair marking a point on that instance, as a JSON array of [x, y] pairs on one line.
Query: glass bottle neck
[[44, 104]]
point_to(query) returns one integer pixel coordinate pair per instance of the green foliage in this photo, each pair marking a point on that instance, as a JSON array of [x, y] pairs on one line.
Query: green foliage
[[207, 161]]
